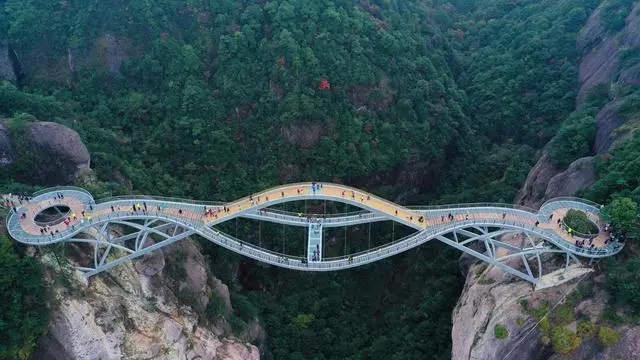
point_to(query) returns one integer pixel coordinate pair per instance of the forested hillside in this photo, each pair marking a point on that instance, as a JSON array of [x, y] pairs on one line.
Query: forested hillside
[[418, 101]]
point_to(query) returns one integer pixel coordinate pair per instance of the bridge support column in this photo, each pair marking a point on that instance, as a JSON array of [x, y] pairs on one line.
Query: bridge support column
[[314, 243]]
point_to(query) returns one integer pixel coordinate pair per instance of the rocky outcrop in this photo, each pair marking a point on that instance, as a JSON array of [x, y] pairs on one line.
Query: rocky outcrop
[[128, 313], [579, 175], [6, 148], [600, 63], [491, 299], [372, 98], [607, 120], [627, 348], [112, 52], [6, 65], [60, 156], [533, 191], [55, 153], [486, 301], [304, 135]]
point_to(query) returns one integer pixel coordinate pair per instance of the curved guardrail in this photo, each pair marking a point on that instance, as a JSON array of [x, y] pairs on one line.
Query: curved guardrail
[[192, 217]]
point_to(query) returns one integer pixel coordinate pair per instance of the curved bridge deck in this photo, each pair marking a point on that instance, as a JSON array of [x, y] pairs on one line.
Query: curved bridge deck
[[158, 214]]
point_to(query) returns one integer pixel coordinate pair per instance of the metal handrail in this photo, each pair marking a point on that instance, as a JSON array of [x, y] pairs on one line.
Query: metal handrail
[[471, 205], [159, 198], [373, 249], [572, 199], [60, 188], [197, 225], [195, 222], [314, 215]]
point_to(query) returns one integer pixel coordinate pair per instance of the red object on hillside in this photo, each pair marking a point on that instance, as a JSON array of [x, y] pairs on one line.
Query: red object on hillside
[[324, 85]]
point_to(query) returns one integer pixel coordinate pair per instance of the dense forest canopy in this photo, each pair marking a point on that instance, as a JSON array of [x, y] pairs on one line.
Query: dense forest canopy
[[418, 101]]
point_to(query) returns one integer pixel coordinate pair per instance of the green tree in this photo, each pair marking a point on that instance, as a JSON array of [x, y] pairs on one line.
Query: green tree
[[608, 336], [574, 139], [25, 313], [623, 215], [586, 329], [623, 279], [564, 340], [500, 331]]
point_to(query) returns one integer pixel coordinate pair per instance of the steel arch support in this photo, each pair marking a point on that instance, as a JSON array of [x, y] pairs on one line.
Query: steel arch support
[[492, 242], [102, 243]]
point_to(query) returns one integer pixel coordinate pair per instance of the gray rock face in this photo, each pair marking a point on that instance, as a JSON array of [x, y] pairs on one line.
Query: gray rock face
[[480, 307], [602, 51], [597, 67], [546, 181], [60, 154], [6, 148], [303, 135], [533, 191], [483, 306], [111, 51], [580, 175], [630, 75], [196, 281], [152, 263], [591, 33], [607, 120], [6, 65], [124, 314], [628, 347]]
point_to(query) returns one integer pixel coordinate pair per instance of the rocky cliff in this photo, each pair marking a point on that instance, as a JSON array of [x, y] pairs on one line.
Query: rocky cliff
[[152, 308], [491, 301], [60, 154], [6, 147], [6, 65], [601, 65], [53, 154], [144, 310]]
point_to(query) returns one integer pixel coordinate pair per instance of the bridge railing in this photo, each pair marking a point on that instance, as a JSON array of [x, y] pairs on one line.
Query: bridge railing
[[61, 188], [400, 245], [571, 199], [13, 220], [305, 220], [167, 199], [472, 205], [247, 246], [315, 215], [373, 249]]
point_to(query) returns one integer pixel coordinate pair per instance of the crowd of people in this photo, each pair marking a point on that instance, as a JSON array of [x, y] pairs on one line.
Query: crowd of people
[[13, 201]]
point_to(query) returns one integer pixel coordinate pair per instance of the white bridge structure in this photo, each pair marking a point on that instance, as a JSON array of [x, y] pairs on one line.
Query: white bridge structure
[[118, 229]]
